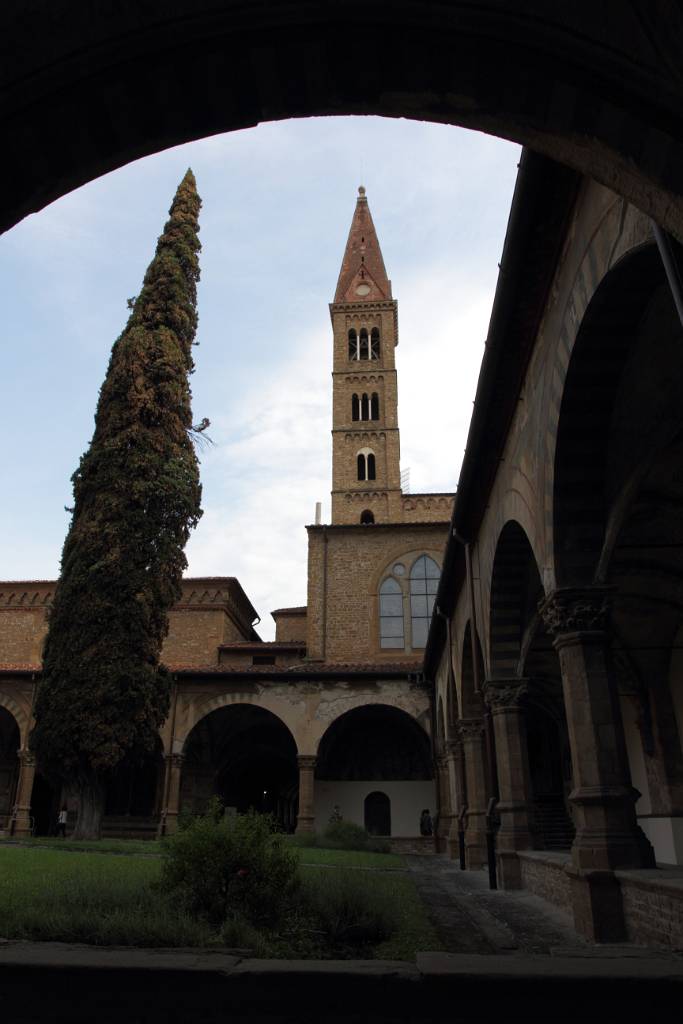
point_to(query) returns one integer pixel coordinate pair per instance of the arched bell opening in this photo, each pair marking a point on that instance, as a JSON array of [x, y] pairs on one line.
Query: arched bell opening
[[246, 756]]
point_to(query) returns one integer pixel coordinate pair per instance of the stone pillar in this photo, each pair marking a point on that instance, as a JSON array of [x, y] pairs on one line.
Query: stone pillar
[[454, 774], [174, 770], [22, 824], [445, 806], [472, 738], [306, 818], [505, 697], [607, 834]]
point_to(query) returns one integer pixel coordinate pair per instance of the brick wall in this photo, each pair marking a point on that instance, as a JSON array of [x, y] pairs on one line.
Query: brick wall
[[290, 626], [544, 875], [653, 909]]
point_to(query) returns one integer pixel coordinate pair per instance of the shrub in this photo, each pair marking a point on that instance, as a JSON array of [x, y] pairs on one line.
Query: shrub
[[230, 867], [344, 835], [350, 908], [302, 840]]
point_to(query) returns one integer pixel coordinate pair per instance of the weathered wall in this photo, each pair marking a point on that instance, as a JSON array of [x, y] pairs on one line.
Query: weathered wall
[[408, 799]]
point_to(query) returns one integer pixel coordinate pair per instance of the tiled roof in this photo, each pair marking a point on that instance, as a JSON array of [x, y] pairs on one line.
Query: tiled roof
[[19, 666], [299, 610], [307, 669], [268, 645]]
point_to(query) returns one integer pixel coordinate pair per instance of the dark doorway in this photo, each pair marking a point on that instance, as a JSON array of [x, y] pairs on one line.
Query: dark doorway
[[246, 756], [378, 814]]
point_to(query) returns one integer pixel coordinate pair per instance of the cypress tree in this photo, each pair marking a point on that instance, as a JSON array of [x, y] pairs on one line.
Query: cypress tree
[[103, 693]]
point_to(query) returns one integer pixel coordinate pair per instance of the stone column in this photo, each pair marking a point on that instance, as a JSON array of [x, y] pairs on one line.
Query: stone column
[[472, 738], [445, 806], [607, 833], [506, 697], [306, 818], [174, 770], [21, 816], [454, 772]]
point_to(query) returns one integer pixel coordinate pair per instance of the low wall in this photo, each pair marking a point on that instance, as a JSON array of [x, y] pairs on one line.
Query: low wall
[[653, 906], [413, 844], [543, 874]]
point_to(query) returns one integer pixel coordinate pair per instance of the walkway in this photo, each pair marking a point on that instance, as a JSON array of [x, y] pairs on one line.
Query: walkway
[[471, 918]]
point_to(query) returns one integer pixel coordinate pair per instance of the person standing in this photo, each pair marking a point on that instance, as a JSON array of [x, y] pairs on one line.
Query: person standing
[[425, 823], [61, 822]]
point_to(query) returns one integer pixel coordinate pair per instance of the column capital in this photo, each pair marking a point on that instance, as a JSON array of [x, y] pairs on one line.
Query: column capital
[[576, 610], [471, 728], [27, 759], [503, 694], [306, 760], [175, 760], [453, 746]]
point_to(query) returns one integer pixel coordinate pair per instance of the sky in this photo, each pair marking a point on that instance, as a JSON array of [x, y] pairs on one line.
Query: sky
[[277, 206]]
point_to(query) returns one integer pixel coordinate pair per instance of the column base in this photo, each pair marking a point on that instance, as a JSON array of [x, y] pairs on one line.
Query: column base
[[168, 824], [508, 870], [476, 855], [22, 825], [598, 906], [305, 824]]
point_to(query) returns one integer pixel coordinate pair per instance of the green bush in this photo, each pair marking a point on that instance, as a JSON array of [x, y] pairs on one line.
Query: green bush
[[349, 909], [230, 867], [303, 840], [344, 835]]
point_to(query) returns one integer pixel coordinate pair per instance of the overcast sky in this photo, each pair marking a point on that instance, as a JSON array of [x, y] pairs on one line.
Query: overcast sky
[[277, 206]]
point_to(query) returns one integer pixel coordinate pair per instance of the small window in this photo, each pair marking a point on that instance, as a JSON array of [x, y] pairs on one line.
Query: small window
[[353, 344], [355, 408], [374, 406], [374, 343], [363, 345], [391, 615], [365, 408], [371, 467], [366, 517]]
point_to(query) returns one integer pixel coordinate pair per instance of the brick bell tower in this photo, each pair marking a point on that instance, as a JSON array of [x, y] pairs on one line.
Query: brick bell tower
[[366, 478]]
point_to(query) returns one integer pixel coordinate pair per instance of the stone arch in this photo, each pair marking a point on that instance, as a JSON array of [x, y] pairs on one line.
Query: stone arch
[[280, 708], [515, 590], [440, 739], [604, 341], [246, 755], [471, 702], [116, 68], [415, 707], [375, 712], [19, 715]]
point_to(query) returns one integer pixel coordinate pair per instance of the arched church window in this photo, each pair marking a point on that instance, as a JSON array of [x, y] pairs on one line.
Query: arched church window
[[362, 470], [371, 467], [363, 344], [365, 408], [424, 580], [353, 344], [374, 343], [391, 633], [355, 408], [366, 517], [365, 462], [374, 406]]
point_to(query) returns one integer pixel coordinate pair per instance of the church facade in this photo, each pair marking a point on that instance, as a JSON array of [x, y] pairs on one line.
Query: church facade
[[334, 713]]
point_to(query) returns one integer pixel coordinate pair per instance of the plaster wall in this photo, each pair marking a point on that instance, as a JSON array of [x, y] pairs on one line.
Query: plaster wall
[[408, 799]]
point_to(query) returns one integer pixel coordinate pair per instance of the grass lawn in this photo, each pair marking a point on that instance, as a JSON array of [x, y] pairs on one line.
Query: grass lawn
[[105, 899], [307, 855]]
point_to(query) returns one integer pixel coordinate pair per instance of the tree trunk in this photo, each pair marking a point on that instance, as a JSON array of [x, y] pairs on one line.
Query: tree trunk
[[90, 807]]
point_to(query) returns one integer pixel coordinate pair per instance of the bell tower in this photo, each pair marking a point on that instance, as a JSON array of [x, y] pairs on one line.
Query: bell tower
[[366, 479]]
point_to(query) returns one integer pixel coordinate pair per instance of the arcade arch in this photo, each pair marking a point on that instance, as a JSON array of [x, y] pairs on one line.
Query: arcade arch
[[370, 744], [246, 756]]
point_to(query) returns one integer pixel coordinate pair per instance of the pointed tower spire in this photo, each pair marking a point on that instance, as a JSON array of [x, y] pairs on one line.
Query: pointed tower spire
[[362, 275], [366, 478]]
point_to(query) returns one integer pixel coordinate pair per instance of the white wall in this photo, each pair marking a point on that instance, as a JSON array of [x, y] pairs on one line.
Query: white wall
[[408, 799]]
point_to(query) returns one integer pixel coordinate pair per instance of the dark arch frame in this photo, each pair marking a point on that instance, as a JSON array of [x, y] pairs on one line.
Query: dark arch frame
[[114, 68], [516, 589]]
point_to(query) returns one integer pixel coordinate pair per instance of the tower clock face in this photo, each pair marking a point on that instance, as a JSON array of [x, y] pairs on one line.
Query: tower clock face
[[363, 289]]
